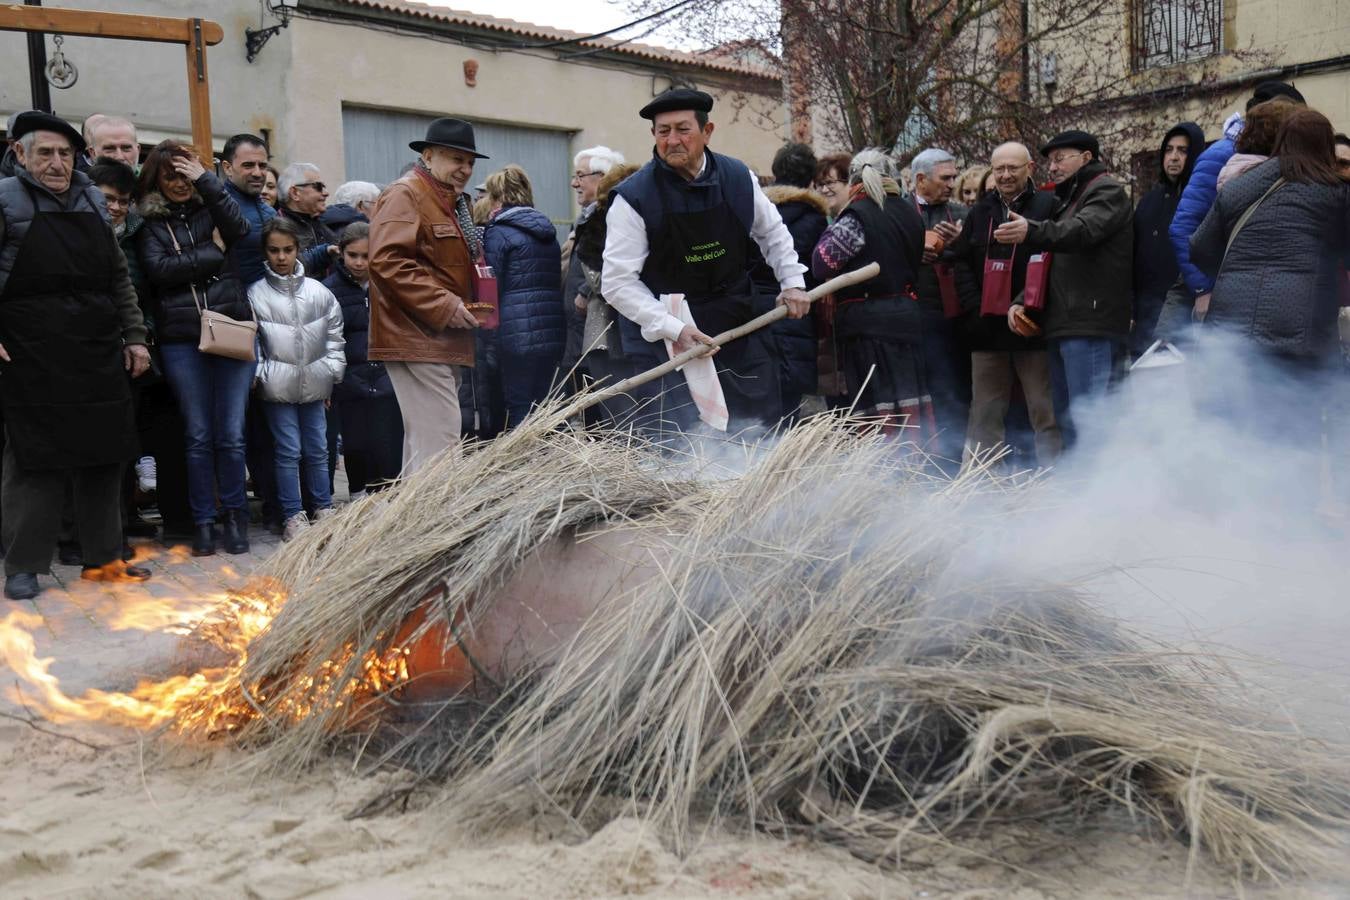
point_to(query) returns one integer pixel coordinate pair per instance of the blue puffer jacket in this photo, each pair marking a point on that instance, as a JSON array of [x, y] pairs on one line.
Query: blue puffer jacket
[[364, 379], [1196, 200], [247, 251], [521, 245]]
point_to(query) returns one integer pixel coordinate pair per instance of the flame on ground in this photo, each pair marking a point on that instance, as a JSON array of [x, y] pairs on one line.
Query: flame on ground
[[207, 702]]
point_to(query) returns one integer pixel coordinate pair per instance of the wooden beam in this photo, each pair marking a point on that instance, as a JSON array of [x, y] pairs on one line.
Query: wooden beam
[[199, 93], [83, 23]]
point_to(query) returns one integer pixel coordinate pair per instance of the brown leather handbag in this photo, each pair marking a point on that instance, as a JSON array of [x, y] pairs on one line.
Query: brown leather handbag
[[220, 334]]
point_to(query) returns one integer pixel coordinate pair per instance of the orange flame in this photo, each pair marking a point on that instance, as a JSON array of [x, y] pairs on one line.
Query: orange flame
[[204, 703]]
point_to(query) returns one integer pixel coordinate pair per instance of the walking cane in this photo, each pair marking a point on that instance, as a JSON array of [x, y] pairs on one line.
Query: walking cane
[[867, 272]]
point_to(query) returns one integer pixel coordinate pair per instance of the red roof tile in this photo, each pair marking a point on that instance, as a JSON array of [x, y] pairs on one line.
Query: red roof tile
[[544, 33]]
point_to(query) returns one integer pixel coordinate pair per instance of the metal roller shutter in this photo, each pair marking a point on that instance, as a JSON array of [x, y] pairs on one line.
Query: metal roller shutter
[[375, 148]]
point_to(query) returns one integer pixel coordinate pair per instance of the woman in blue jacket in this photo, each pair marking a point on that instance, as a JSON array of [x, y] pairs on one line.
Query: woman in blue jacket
[[521, 245]]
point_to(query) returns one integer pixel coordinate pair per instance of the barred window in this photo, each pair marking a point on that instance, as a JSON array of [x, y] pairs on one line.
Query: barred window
[[1173, 31]]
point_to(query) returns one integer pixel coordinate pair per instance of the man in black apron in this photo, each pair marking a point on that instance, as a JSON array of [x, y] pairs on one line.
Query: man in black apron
[[70, 332], [682, 225]]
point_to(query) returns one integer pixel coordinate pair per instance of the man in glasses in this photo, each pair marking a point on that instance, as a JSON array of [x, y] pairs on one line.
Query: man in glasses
[[304, 197], [1086, 319], [994, 275]]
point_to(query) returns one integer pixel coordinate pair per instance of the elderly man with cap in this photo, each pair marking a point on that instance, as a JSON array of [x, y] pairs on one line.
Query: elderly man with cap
[[1086, 319], [423, 251], [70, 331], [682, 225]]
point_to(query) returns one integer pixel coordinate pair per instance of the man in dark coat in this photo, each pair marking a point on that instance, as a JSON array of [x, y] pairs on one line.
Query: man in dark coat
[[70, 331], [682, 224], [1086, 318], [1155, 263], [946, 357], [805, 214], [303, 198], [1000, 358]]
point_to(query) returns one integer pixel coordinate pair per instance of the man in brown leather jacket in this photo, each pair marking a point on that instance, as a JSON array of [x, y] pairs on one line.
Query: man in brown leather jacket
[[423, 246]]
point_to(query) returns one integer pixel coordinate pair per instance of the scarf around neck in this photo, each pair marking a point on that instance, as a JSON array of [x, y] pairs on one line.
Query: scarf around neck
[[457, 205]]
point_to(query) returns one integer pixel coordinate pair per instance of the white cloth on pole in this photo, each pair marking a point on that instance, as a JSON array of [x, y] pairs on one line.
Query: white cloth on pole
[[701, 373]]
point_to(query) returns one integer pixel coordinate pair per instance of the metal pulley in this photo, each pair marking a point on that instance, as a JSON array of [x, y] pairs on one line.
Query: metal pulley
[[61, 72]]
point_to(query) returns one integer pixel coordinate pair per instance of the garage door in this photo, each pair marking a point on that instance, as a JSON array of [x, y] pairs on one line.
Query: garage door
[[375, 145]]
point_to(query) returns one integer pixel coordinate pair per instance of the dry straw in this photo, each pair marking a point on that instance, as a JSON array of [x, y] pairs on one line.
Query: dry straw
[[825, 647]]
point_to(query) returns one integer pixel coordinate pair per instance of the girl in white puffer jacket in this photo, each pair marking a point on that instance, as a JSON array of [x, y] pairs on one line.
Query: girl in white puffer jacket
[[300, 326]]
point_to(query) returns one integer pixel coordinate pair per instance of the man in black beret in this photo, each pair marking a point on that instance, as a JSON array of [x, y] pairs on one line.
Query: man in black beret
[[1086, 319], [70, 332], [683, 224]]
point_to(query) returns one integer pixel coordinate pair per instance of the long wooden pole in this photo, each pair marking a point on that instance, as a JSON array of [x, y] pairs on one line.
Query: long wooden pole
[[867, 272]]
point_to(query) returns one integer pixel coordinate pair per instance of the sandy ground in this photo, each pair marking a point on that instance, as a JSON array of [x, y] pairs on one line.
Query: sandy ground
[[134, 818]]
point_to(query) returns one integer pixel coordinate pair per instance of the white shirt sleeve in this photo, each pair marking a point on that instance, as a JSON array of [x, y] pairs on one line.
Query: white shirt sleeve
[[620, 281], [775, 242]]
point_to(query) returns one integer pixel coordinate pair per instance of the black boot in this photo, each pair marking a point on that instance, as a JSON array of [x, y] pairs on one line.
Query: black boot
[[236, 531], [204, 540]]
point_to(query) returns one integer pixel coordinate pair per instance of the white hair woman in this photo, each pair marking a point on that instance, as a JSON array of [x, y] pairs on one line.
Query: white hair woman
[[877, 334], [590, 166]]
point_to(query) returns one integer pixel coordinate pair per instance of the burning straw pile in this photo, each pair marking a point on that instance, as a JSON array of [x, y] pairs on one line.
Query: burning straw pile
[[823, 645]]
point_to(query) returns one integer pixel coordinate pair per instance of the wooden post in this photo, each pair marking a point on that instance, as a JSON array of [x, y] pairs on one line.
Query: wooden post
[[194, 34], [199, 94]]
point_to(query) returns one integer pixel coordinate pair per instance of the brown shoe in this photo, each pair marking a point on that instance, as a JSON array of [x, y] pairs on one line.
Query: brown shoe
[[115, 571]]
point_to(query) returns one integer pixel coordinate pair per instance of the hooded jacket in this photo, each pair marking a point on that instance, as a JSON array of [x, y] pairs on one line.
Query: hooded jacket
[[337, 217], [1278, 283], [1196, 200], [197, 262], [1092, 268], [806, 216], [364, 379], [1155, 262], [300, 325], [521, 245]]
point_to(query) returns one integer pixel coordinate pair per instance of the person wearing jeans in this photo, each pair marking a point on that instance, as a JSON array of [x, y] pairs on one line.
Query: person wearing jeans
[[1086, 319], [212, 393], [190, 222], [1080, 373], [300, 327]]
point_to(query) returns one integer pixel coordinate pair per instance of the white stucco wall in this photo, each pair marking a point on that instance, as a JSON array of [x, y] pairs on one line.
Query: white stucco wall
[[337, 64], [147, 82]]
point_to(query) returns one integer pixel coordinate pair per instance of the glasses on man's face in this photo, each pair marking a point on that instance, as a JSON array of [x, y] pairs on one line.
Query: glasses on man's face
[[1060, 158], [1009, 170], [317, 185], [829, 184], [577, 176], [116, 202]]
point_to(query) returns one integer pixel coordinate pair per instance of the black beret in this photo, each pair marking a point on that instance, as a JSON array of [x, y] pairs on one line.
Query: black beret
[[676, 99], [1269, 90], [1077, 140], [35, 120]]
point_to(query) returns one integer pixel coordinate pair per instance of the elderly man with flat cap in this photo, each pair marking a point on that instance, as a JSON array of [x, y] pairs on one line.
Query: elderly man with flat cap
[[682, 224], [1091, 297], [423, 247], [70, 332]]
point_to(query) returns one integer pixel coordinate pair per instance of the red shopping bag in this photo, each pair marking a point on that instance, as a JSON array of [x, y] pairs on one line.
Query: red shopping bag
[[996, 293], [484, 304], [1038, 281], [946, 277]]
